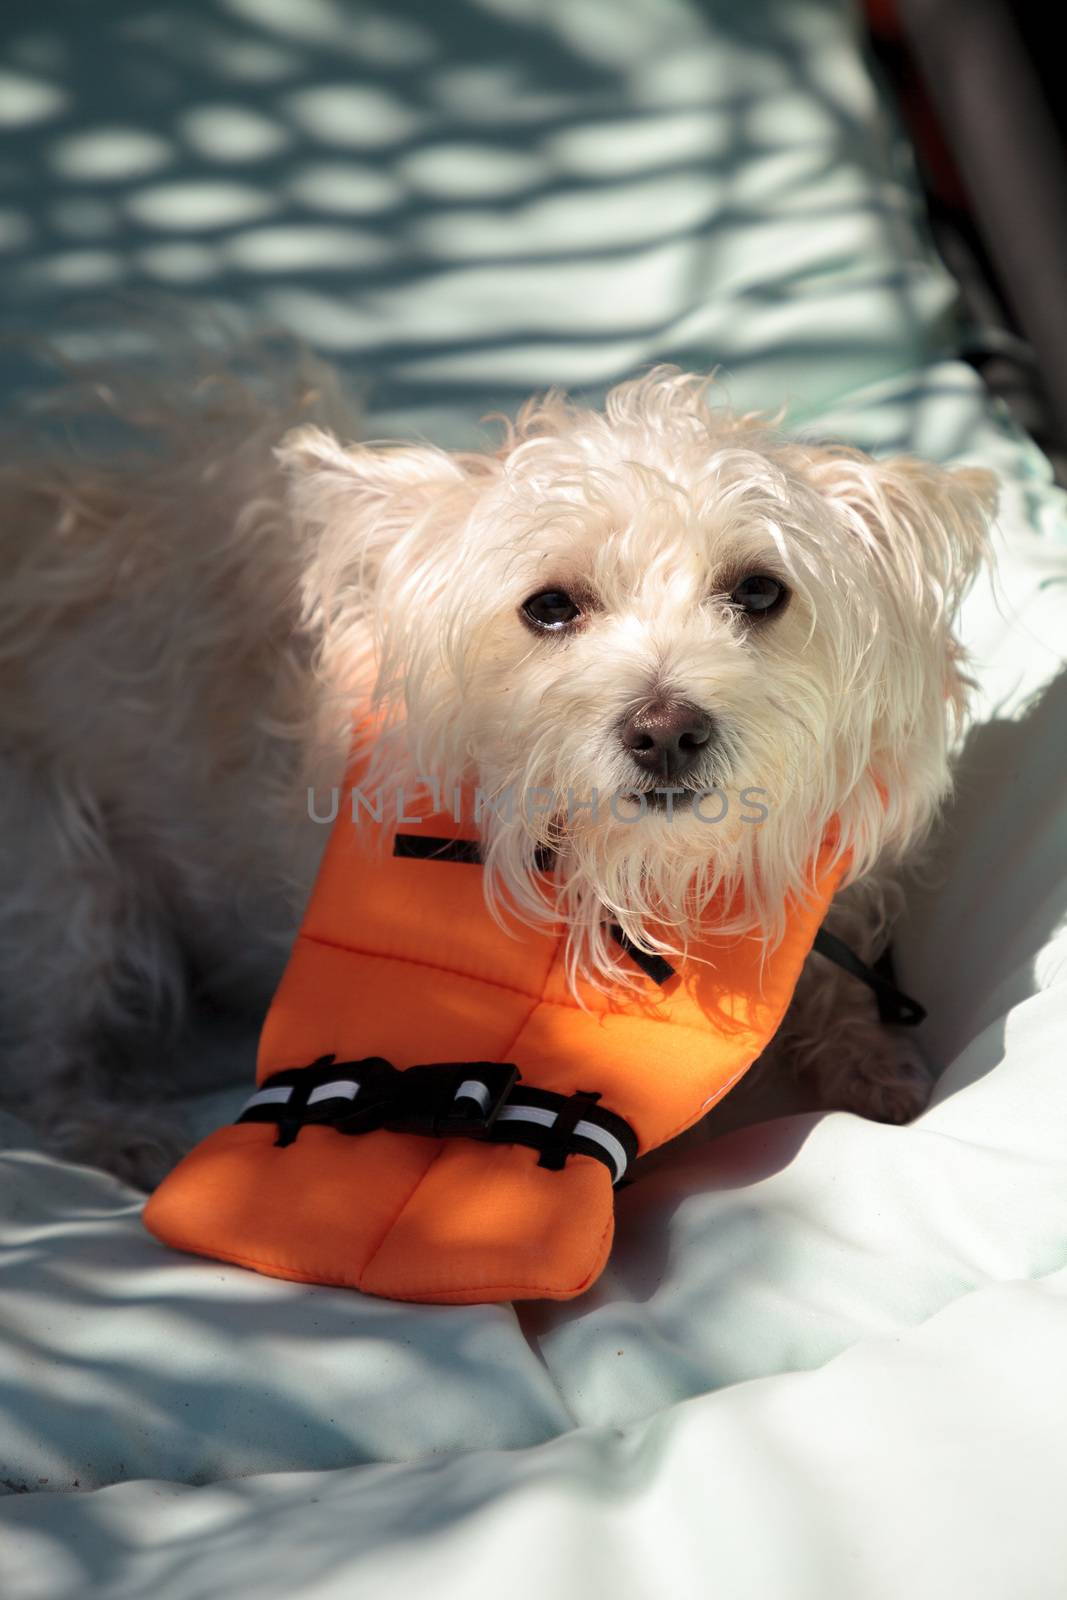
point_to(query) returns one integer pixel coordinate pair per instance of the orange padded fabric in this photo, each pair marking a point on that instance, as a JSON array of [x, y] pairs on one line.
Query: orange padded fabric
[[399, 958]]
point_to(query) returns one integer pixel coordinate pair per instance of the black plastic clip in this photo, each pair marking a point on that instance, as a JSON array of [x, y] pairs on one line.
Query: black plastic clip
[[450, 1098]]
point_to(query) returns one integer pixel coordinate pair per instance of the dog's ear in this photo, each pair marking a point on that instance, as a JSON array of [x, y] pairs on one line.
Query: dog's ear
[[370, 507], [916, 534], [926, 527], [371, 488], [378, 525]]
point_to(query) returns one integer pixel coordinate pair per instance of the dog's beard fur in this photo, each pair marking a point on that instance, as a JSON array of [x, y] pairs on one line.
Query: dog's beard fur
[[839, 711]]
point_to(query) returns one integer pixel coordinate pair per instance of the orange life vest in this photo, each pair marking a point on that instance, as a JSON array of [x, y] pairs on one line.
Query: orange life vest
[[459, 1181]]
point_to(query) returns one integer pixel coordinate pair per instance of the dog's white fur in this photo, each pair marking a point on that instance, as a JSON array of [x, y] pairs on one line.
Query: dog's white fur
[[187, 631]]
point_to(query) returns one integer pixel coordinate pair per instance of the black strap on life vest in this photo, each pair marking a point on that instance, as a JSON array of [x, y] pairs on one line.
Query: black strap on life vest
[[895, 1008], [468, 1099]]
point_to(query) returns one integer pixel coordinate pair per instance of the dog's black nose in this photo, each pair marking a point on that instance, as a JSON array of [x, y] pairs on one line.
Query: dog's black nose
[[666, 738]]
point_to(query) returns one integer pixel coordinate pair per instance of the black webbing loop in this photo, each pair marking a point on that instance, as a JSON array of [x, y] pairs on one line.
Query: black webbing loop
[[530, 1117], [653, 966], [559, 1137], [895, 1008], [427, 847]]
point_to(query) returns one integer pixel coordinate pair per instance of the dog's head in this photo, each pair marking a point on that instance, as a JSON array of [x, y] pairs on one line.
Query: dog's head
[[665, 640]]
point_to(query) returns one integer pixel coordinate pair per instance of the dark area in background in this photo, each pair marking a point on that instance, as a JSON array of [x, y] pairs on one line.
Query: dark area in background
[[1041, 26], [905, 38]]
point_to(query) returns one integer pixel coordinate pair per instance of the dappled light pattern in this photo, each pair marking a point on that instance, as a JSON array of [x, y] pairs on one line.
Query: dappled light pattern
[[461, 202], [181, 1396]]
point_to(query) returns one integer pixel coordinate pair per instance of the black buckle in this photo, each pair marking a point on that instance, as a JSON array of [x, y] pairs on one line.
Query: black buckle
[[376, 1078], [450, 1098]]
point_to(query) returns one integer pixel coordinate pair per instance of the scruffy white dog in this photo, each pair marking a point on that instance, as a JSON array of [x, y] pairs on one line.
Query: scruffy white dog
[[663, 597]]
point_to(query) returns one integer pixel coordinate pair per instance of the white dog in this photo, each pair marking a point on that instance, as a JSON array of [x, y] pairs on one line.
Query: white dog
[[663, 597]]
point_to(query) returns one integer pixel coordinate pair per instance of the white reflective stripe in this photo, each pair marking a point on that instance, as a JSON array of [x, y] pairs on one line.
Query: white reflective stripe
[[268, 1097], [588, 1130], [342, 1089], [527, 1114], [472, 1089], [607, 1141]]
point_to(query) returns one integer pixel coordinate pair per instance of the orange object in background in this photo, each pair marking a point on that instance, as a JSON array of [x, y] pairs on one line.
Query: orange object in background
[[940, 172], [398, 958]]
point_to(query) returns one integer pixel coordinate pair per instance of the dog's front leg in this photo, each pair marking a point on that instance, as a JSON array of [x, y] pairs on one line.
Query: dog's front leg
[[832, 1040]]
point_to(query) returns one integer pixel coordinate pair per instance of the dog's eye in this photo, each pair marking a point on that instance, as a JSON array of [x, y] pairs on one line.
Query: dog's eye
[[552, 610], [759, 594]]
